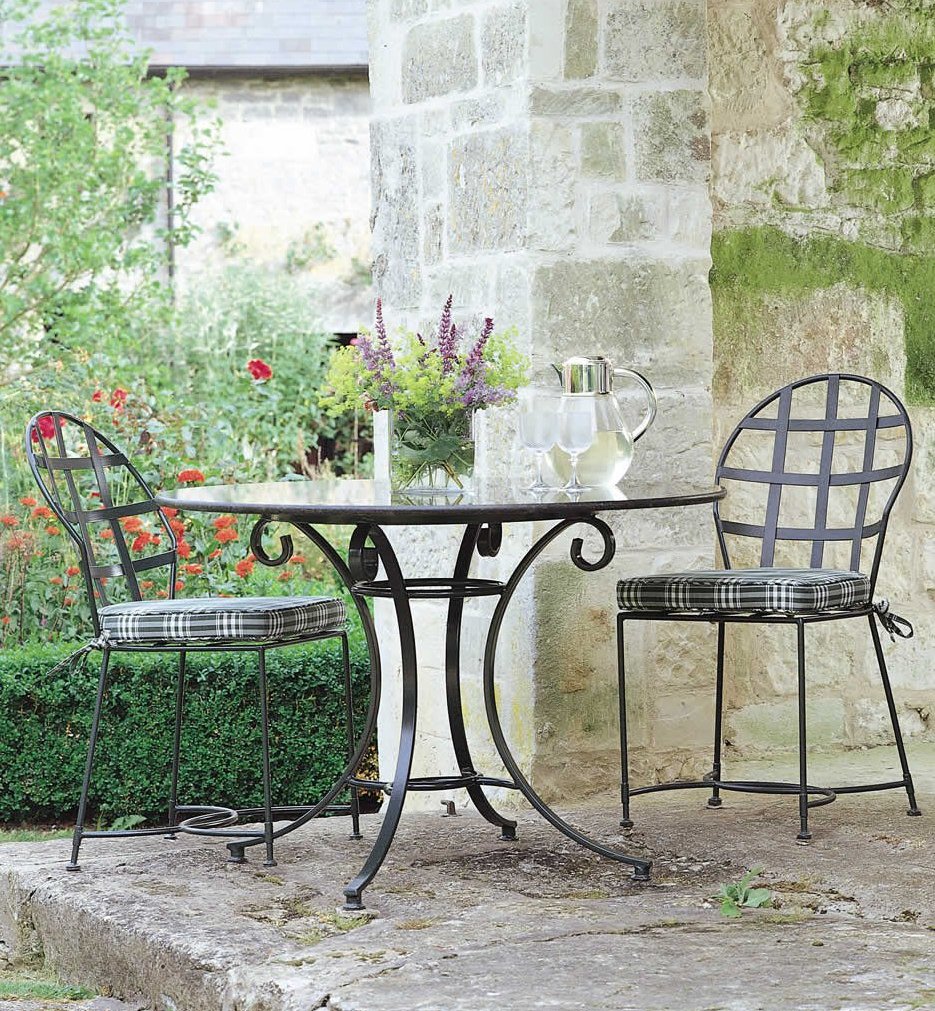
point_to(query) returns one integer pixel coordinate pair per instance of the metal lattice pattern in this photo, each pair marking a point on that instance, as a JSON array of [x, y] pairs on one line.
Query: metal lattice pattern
[[844, 406], [88, 483]]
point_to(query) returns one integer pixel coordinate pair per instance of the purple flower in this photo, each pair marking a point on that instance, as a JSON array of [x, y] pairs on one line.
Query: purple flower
[[446, 339], [472, 382], [378, 357]]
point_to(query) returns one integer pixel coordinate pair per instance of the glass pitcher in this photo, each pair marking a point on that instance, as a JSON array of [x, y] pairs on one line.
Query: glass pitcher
[[609, 457]]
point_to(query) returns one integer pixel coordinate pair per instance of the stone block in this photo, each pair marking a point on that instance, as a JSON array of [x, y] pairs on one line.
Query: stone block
[[771, 726], [395, 213], [652, 315], [552, 186], [581, 39], [744, 73], [603, 150], [487, 186], [503, 44], [439, 58], [403, 10], [781, 338], [621, 218], [683, 720], [574, 101], [761, 167], [654, 40], [433, 227], [672, 137]]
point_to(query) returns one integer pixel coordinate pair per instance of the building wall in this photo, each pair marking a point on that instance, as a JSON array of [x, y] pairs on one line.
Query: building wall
[[293, 188], [824, 259], [548, 163]]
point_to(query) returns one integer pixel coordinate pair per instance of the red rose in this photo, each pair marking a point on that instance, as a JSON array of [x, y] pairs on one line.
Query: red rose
[[170, 512], [141, 540], [194, 569], [72, 570], [183, 549], [118, 398], [225, 535], [97, 396], [46, 426], [28, 501], [190, 476], [259, 369], [244, 568], [9, 521]]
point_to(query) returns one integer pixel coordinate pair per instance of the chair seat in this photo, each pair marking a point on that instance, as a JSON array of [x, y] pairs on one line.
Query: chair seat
[[787, 590], [222, 619]]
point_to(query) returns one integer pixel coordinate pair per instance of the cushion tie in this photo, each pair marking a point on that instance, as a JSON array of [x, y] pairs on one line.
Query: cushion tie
[[73, 659], [895, 624]]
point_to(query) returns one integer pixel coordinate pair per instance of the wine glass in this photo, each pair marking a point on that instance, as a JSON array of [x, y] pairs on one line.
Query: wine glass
[[576, 432], [537, 416]]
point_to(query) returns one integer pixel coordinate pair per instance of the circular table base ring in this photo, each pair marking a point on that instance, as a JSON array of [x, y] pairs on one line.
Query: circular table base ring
[[210, 820]]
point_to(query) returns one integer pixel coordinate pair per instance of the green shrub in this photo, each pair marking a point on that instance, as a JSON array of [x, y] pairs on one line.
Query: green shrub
[[45, 723]]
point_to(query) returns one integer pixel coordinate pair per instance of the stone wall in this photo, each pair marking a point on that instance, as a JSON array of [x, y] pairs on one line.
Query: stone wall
[[293, 187], [547, 162], [824, 259]]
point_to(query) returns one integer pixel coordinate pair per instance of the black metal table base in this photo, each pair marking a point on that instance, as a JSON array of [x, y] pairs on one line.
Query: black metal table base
[[369, 550]]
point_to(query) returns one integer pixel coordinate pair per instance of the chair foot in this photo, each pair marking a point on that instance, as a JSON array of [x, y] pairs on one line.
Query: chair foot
[[508, 833], [353, 902], [914, 812], [71, 866], [715, 801], [626, 823], [236, 855], [270, 863], [641, 872], [171, 836], [803, 837], [355, 835]]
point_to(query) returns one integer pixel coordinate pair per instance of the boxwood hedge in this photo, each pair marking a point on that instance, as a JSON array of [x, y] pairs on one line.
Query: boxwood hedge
[[45, 723]]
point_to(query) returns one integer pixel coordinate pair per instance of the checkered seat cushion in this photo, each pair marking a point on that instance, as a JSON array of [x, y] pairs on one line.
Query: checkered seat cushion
[[788, 590], [227, 619]]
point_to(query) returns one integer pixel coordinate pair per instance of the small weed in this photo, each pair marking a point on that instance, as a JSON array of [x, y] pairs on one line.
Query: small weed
[[270, 879], [740, 895], [32, 834], [126, 822], [39, 986], [420, 923]]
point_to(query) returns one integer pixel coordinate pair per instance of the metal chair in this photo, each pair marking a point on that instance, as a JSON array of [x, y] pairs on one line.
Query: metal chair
[[858, 436], [94, 489]]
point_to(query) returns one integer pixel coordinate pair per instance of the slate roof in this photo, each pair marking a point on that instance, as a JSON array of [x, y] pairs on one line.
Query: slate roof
[[288, 35]]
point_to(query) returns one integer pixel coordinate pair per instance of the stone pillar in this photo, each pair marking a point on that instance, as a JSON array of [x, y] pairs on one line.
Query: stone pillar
[[547, 162]]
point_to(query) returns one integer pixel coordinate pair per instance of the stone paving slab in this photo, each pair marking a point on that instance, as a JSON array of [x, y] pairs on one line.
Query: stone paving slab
[[464, 922]]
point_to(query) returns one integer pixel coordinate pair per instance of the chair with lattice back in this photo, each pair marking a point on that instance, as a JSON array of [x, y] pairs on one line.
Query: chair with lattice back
[[819, 464], [99, 496]]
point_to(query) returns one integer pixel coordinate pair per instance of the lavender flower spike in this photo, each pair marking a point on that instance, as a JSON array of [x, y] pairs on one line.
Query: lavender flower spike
[[383, 350], [447, 339]]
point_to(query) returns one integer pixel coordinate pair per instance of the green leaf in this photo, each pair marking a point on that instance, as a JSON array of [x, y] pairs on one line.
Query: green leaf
[[730, 908], [757, 897]]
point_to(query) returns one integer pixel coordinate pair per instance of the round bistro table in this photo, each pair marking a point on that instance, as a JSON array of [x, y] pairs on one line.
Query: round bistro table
[[368, 507]]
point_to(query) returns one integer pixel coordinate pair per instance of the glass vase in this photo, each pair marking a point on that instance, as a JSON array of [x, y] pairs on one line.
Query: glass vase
[[432, 454]]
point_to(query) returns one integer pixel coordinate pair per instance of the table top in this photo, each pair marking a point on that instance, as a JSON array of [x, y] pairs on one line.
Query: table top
[[353, 501]]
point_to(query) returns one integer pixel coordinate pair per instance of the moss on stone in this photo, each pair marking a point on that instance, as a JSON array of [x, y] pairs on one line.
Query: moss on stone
[[754, 262], [872, 93]]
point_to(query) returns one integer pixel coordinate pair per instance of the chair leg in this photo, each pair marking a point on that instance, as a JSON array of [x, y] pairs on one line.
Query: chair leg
[[625, 820], [73, 864], [349, 718], [267, 788], [715, 799], [804, 834], [894, 717], [176, 746]]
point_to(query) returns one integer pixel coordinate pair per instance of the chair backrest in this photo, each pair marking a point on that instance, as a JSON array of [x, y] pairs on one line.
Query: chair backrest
[[104, 504], [821, 462]]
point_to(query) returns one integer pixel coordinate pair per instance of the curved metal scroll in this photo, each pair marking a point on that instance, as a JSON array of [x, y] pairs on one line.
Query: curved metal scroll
[[344, 573], [641, 867]]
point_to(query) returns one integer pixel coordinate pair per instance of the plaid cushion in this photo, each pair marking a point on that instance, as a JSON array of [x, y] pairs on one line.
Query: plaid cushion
[[745, 590], [225, 619]]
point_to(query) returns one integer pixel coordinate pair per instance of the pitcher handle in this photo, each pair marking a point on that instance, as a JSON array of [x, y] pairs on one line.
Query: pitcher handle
[[650, 416]]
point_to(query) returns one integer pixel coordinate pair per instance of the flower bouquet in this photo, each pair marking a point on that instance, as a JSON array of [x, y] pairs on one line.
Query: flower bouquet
[[432, 387]]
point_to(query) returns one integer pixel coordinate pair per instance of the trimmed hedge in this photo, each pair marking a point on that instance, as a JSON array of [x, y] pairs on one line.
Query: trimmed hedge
[[45, 724]]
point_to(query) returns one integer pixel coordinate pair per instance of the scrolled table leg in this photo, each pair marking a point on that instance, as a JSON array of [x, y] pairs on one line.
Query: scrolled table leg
[[366, 619], [353, 892], [641, 867], [488, 544]]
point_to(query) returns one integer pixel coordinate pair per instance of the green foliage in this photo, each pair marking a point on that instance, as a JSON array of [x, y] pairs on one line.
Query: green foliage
[[752, 262], [82, 153], [45, 724], [739, 895], [15, 986], [313, 248]]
